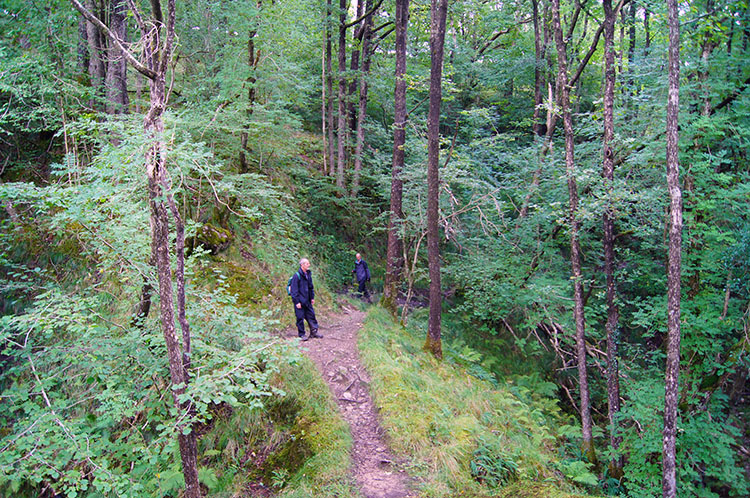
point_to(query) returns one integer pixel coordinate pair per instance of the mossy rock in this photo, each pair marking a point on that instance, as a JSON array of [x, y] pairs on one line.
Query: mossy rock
[[212, 238]]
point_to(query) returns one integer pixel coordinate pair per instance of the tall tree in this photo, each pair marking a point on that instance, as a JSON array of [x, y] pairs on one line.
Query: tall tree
[[363, 89], [438, 13], [342, 128], [575, 226], [608, 166], [157, 44], [253, 59], [357, 33], [671, 384], [393, 256], [540, 49], [329, 87]]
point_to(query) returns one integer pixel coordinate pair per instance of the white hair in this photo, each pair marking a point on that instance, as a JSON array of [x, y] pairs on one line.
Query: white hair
[[303, 260]]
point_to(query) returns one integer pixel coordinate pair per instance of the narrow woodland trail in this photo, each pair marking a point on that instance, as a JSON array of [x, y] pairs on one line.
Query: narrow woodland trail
[[336, 356]]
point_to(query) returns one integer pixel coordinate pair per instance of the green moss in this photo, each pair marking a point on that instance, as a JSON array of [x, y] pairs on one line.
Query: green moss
[[213, 238]]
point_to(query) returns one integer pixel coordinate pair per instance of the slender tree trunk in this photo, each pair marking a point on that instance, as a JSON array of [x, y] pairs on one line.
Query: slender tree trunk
[[354, 68], [82, 51], [671, 387], [323, 113], [438, 13], [646, 29], [538, 74], [613, 374], [157, 41], [551, 121], [117, 81], [342, 128], [253, 59], [329, 87], [363, 87], [393, 257], [575, 250], [631, 33]]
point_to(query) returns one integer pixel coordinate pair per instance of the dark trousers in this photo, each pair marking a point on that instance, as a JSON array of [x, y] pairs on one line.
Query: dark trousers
[[363, 289], [306, 312]]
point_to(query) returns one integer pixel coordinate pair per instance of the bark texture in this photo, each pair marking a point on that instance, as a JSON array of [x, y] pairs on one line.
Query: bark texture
[[393, 256], [575, 249], [608, 166], [438, 13], [671, 387], [329, 89], [363, 88], [342, 129], [117, 77]]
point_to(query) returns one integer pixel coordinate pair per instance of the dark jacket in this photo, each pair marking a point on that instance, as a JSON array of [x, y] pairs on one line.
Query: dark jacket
[[361, 270], [302, 288]]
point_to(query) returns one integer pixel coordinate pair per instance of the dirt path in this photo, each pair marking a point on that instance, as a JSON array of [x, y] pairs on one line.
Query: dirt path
[[373, 466]]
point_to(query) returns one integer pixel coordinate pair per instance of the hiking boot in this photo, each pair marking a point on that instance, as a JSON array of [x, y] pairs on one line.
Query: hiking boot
[[303, 338], [315, 334]]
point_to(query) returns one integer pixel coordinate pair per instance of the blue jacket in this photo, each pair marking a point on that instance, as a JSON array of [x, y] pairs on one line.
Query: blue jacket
[[302, 288], [361, 270]]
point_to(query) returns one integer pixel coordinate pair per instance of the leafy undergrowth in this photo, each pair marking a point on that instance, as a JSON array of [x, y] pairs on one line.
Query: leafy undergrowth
[[463, 436], [297, 446]]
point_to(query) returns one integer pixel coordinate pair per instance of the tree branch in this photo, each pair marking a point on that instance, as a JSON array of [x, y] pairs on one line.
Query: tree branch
[[364, 16], [732, 96], [118, 43], [592, 49]]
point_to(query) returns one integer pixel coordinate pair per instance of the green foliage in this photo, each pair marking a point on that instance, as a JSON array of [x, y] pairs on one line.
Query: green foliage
[[705, 459], [491, 466]]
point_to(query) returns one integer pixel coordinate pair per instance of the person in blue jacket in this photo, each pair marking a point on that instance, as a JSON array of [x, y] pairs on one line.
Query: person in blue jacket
[[303, 297], [362, 274]]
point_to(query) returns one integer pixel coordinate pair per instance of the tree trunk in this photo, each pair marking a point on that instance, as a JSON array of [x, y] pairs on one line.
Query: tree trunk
[[362, 114], [97, 70], [329, 87], [117, 80], [438, 13], [342, 129], [82, 51], [252, 62], [613, 381], [539, 77], [354, 69], [671, 385], [575, 250], [393, 256], [157, 51]]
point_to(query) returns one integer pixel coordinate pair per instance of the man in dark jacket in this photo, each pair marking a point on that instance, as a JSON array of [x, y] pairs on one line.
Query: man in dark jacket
[[303, 297], [362, 274]]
